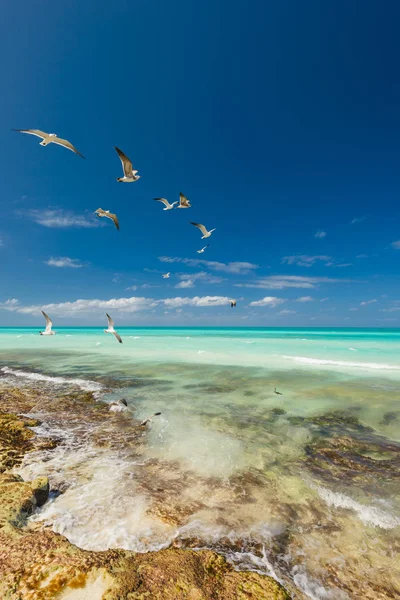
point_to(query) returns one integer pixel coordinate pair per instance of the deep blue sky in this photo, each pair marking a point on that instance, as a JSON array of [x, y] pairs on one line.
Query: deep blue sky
[[277, 119]]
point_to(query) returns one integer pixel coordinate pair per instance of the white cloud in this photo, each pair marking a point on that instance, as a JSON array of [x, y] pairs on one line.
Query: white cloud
[[358, 220], [186, 283], [367, 302], [353, 309], [188, 280], [61, 218], [320, 234], [396, 245], [119, 305], [305, 299], [304, 260], [240, 268], [280, 282], [133, 288], [65, 261], [270, 301], [286, 312], [196, 301], [339, 265], [362, 256], [324, 299], [10, 304]]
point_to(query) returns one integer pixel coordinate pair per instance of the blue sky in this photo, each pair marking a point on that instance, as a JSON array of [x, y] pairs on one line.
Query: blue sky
[[279, 120]]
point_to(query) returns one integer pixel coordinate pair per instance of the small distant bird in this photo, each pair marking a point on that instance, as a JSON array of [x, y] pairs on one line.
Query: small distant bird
[[168, 206], [119, 405], [49, 325], [202, 250], [50, 138], [111, 329], [183, 201], [203, 230], [146, 421], [130, 175], [166, 275], [233, 303], [277, 393], [106, 213]]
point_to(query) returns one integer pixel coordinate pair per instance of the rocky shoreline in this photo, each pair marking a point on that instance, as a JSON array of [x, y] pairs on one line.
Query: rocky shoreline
[[39, 564]]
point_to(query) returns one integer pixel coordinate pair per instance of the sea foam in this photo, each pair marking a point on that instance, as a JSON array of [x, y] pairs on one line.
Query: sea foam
[[341, 363], [369, 515], [84, 384]]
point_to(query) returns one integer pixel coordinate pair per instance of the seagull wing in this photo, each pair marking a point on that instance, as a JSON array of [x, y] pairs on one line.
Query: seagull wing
[[201, 227], [113, 218], [126, 163], [37, 132], [110, 321], [117, 336], [183, 200], [163, 200], [49, 322], [66, 144]]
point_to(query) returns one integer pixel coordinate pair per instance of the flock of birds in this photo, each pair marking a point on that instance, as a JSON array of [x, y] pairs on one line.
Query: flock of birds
[[130, 175]]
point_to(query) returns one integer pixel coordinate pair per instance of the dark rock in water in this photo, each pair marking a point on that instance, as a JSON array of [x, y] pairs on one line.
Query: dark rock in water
[[206, 388], [339, 420], [278, 411], [389, 417], [362, 461], [41, 488]]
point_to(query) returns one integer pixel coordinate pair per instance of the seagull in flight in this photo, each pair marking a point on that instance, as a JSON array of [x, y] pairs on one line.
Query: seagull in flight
[[166, 275], [203, 230], [106, 213], [168, 206], [111, 329], [49, 325], [233, 303], [183, 201], [50, 138], [202, 250], [130, 175], [146, 421], [277, 393]]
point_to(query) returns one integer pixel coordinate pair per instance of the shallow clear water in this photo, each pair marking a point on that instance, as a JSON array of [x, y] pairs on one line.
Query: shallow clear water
[[229, 464]]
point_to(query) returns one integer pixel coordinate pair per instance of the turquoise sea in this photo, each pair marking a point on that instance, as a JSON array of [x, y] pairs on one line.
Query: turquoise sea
[[303, 485]]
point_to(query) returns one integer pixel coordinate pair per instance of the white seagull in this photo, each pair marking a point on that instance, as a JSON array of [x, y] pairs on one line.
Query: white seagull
[[203, 230], [183, 201], [106, 213], [49, 325], [130, 175], [168, 206], [119, 405], [146, 421], [166, 275], [111, 329], [202, 250], [233, 303], [50, 138]]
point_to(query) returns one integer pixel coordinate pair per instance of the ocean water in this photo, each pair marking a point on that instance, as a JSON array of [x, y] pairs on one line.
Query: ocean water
[[303, 485]]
